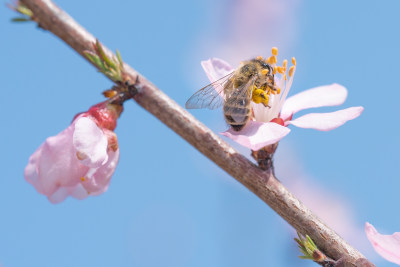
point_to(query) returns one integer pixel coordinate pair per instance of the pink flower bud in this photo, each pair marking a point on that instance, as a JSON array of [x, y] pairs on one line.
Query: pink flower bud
[[80, 160]]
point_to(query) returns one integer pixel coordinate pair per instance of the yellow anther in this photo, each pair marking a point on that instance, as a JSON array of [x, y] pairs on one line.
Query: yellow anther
[[280, 70], [291, 71], [264, 72], [285, 77], [83, 179], [259, 58], [293, 61], [274, 51], [278, 90], [275, 69], [272, 60], [284, 64]]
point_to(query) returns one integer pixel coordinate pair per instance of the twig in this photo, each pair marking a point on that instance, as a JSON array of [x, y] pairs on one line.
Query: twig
[[262, 183]]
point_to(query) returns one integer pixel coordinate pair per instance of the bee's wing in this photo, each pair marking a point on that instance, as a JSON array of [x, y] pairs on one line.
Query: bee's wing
[[241, 95], [210, 96]]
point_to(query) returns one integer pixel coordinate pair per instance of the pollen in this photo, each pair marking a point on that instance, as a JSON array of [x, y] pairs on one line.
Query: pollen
[[291, 71], [258, 95], [264, 71], [274, 51], [293, 61], [83, 179], [259, 58]]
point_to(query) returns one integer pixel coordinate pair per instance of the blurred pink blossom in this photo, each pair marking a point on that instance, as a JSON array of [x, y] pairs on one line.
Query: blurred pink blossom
[[388, 246], [270, 124], [80, 160]]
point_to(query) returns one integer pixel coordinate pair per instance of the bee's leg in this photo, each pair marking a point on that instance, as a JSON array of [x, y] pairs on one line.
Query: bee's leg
[[266, 105]]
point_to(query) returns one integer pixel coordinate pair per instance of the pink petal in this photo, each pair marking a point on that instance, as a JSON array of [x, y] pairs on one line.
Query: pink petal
[[55, 170], [328, 95], [216, 68], [54, 164], [98, 180], [62, 193], [388, 246], [31, 171], [256, 135], [327, 121], [90, 142]]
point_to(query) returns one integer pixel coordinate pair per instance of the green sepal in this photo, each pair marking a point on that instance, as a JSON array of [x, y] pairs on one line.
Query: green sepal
[[20, 19], [121, 63], [104, 56], [306, 246], [112, 67], [24, 10], [306, 257]]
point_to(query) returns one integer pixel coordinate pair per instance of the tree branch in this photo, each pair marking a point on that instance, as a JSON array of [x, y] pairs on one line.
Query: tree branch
[[262, 183]]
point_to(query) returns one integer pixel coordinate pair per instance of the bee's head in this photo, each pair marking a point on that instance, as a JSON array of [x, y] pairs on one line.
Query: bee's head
[[266, 75]]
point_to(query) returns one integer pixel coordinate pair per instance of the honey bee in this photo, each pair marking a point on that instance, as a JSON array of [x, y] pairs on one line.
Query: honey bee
[[253, 81]]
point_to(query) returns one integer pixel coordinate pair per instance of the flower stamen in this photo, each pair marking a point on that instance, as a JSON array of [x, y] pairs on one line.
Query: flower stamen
[[284, 64], [291, 71]]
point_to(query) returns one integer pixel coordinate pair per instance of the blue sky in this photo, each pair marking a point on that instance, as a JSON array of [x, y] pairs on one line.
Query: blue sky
[[167, 204]]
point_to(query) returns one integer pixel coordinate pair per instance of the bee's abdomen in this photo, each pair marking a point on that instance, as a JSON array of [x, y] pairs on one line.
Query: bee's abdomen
[[237, 114]]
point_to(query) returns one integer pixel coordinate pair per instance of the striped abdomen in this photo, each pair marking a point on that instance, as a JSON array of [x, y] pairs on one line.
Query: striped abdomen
[[237, 110]]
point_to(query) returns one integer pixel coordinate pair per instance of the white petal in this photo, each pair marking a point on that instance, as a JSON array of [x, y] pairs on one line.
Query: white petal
[[328, 95], [256, 135], [216, 68], [90, 142], [327, 121]]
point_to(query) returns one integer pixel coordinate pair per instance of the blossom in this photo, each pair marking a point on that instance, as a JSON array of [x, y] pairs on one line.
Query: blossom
[[388, 246], [80, 160], [269, 124]]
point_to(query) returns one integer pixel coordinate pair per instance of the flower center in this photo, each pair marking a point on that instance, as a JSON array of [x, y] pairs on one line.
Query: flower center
[[268, 100]]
